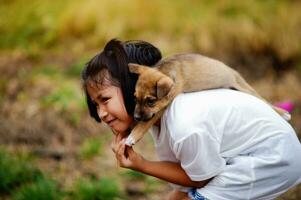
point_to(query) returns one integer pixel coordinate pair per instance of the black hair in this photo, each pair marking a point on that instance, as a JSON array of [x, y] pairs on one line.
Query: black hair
[[115, 58]]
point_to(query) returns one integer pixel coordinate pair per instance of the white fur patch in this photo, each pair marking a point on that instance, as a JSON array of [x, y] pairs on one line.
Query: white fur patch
[[130, 141]]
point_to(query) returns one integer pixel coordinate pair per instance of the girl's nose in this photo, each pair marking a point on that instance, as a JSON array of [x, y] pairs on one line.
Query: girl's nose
[[102, 113]]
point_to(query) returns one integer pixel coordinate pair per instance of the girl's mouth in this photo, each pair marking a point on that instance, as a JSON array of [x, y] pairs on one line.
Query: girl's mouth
[[111, 122]]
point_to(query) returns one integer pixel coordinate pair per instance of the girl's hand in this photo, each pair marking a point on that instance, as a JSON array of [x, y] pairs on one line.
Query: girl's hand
[[125, 155], [169, 171], [116, 140]]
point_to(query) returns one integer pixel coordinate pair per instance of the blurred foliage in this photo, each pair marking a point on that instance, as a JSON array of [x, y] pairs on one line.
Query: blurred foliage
[[20, 179], [134, 175], [63, 94], [149, 183], [29, 25], [258, 34], [15, 171], [91, 147], [42, 188], [197, 24], [74, 70], [103, 189]]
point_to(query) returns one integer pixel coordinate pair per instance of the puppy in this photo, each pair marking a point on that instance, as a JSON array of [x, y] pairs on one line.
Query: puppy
[[157, 86]]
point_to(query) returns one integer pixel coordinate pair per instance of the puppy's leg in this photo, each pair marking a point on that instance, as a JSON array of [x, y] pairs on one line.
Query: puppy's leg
[[141, 128], [243, 86], [174, 91]]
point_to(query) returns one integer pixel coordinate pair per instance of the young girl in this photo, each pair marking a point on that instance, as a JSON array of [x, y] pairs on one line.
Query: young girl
[[214, 144]]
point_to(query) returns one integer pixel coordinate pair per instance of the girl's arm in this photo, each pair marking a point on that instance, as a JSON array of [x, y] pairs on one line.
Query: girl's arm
[[168, 171]]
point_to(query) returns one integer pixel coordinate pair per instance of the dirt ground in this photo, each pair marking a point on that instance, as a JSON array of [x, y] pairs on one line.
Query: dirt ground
[[55, 141]]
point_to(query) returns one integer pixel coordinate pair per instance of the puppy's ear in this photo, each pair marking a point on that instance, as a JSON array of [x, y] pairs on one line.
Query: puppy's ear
[[135, 68], [164, 86]]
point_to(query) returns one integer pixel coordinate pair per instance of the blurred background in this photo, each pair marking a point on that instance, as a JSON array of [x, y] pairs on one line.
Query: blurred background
[[51, 149]]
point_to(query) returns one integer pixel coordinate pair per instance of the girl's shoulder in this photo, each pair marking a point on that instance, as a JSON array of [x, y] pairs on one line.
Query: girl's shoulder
[[198, 106], [184, 115]]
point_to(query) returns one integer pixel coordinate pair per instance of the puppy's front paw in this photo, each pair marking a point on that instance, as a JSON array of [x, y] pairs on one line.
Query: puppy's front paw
[[130, 141]]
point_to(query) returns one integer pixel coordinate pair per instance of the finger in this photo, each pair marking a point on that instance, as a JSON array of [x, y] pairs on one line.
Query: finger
[[119, 137], [114, 145], [125, 148], [121, 147], [128, 151], [123, 155], [117, 148], [119, 156], [116, 138], [114, 132], [115, 142]]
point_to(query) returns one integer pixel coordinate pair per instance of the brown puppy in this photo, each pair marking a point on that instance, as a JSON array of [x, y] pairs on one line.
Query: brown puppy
[[158, 86]]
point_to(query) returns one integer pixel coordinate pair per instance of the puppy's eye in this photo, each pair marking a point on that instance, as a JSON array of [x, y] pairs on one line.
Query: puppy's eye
[[150, 102]]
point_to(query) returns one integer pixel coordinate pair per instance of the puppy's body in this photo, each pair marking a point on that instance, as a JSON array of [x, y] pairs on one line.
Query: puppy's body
[[158, 86], [194, 72]]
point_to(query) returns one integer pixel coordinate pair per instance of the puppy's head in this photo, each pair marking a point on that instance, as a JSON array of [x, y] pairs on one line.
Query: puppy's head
[[151, 87]]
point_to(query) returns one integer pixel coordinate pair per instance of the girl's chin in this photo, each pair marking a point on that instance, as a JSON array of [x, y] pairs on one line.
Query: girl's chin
[[123, 132], [121, 128]]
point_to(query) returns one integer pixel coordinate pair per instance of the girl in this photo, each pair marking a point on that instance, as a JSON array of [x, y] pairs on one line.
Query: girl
[[214, 144]]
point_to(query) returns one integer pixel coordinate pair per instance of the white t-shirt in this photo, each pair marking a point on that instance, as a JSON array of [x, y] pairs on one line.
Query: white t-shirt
[[238, 139]]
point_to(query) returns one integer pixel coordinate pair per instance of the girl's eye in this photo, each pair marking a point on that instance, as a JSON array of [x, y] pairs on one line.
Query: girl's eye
[[104, 99]]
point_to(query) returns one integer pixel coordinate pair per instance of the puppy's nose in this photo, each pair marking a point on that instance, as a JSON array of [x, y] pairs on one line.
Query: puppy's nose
[[137, 117]]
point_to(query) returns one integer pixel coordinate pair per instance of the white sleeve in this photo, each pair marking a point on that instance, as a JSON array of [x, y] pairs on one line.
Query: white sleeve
[[199, 154]]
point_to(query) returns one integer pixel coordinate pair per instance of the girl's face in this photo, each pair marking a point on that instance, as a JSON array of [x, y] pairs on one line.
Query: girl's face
[[110, 106]]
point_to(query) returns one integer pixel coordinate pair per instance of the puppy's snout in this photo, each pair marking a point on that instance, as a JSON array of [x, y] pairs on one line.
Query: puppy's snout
[[137, 117], [142, 116]]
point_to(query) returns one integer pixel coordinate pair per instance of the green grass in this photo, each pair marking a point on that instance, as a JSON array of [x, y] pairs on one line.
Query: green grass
[[66, 98], [15, 171], [61, 98], [132, 175], [20, 179], [48, 70], [65, 95], [41, 189], [74, 70], [151, 184], [90, 148], [102, 189]]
